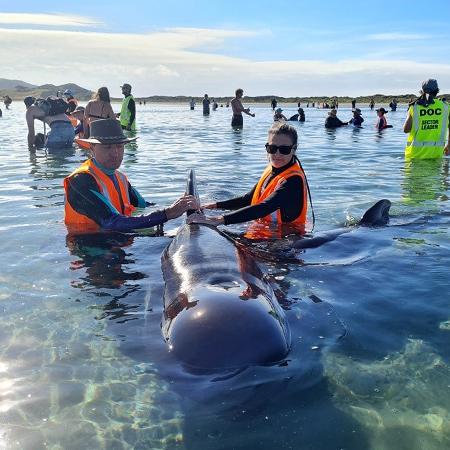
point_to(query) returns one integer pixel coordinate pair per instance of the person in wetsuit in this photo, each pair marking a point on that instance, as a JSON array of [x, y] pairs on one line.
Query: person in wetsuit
[[357, 120], [99, 197], [279, 197], [332, 121], [381, 121]]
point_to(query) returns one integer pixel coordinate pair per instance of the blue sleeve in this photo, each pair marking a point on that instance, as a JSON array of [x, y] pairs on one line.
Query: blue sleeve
[[136, 198], [118, 222]]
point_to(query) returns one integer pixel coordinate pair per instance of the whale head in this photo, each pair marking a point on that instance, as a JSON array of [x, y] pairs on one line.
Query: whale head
[[227, 327]]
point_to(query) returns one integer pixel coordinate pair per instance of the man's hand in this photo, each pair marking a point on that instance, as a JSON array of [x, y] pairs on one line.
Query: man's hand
[[201, 218], [181, 205]]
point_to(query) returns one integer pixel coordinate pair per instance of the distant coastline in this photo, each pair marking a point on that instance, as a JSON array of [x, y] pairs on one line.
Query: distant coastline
[[18, 90]]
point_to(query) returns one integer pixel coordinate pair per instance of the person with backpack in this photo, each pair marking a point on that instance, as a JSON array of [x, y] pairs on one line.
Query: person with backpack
[[51, 111]]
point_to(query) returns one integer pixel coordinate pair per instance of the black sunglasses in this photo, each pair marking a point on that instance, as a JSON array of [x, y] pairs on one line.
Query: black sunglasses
[[283, 149]]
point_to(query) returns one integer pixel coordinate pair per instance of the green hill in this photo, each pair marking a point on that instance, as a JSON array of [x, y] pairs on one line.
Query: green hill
[[18, 90]]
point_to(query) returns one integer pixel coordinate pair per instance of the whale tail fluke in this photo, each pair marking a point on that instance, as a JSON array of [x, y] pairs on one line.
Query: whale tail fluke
[[377, 215]]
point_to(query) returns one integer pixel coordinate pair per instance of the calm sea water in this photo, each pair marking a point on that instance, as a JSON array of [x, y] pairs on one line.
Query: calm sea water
[[82, 361]]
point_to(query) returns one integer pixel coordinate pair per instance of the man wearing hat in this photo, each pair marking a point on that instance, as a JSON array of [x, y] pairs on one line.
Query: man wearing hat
[[99, 197], [357, 119], [427, 124], [127, 113]]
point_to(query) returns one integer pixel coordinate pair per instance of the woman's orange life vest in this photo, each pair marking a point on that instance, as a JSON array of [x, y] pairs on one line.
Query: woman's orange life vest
[[261, 193], [80, 222]]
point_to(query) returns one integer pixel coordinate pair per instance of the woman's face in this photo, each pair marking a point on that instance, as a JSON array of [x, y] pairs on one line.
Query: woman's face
[[278, 160]]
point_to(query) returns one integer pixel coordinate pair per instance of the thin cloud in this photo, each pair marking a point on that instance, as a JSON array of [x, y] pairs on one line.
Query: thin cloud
[[52, 20], [397, 37], [170, 63]]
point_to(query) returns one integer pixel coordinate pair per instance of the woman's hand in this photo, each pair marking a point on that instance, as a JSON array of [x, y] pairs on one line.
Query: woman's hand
[[181, 205], [209, 206], [201, 218]]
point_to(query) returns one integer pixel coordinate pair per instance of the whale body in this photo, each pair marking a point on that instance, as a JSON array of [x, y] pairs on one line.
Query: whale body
[[220, 312], [376, 216]]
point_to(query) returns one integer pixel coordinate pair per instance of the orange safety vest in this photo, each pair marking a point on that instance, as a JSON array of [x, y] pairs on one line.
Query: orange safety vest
[[80, 222], [261, 194]]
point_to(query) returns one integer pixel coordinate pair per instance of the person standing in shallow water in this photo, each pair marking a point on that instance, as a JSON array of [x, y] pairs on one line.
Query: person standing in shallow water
[[237, 107], [206, 103], [98, 108], [428, 124], [127, 113], [99, 197], [278, 198]]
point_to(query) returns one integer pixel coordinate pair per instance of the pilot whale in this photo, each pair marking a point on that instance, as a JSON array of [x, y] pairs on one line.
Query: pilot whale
[[376, 216], [220, 313]]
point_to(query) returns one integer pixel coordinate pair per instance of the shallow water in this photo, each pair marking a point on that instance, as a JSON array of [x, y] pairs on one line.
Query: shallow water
[[82, 360]]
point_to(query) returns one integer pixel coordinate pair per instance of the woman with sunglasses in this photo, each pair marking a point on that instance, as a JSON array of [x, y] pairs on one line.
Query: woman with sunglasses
[[279, 197]]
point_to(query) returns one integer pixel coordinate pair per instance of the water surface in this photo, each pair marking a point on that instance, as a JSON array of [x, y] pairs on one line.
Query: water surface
[[82, 360]]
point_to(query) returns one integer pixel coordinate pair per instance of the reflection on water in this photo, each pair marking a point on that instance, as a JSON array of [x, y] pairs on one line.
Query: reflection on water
[[82, 360], [425, 180]]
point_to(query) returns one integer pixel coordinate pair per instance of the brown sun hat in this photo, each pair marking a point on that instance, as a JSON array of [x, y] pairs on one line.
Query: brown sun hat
[[107, 131]]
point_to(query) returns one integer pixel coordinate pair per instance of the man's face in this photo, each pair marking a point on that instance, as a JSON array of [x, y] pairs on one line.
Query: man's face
[[125, 90], [109, 156]]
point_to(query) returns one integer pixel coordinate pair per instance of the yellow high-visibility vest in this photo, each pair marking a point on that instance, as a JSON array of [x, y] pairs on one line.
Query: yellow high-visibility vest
[[125, 114], [429, 130]]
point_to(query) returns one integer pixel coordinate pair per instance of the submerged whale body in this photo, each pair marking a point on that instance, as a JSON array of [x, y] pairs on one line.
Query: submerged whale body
[[219, 311], [375, 216]]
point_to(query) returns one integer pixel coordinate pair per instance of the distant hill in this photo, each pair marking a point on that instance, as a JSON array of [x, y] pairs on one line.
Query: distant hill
[[13, 84], [18, 90], [379, 99]]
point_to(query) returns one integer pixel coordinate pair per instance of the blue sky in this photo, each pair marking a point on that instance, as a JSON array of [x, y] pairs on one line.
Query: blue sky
[[267, 47]]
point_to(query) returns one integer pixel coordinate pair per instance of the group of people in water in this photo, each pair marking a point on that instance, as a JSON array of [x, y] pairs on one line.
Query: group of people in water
[[100, 197], [66, 119]]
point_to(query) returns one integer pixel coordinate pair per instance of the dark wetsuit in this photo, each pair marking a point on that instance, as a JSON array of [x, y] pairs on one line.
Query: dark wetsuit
[[84, 197], [333, 122], [288, 198], [356, 121], [206, 103]]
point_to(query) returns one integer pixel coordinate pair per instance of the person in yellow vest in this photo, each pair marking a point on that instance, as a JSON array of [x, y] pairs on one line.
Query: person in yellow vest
[[280, 195], [127, 113], [427, 124], [99, 197]]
